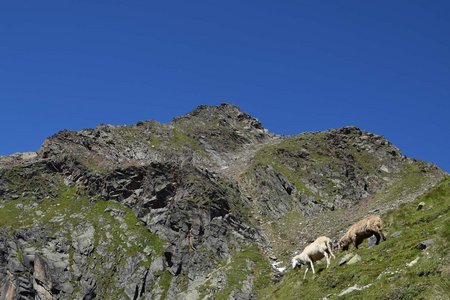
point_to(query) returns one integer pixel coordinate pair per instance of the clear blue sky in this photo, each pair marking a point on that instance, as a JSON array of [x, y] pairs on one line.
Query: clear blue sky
[[296, 65]]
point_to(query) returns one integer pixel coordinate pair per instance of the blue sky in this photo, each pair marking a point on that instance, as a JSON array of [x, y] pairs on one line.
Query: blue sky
[[296, 65]]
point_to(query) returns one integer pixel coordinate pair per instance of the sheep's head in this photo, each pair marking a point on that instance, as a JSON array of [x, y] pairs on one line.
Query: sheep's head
[[297, 261], [343, 244], [294, 262]]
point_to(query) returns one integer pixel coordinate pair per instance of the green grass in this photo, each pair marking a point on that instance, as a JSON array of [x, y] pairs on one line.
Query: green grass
[[154, 141], [237, 271], [284, 233], [247, 262], [428, 279], [164, 283], [29, 180], [411, 179], [181, 140]]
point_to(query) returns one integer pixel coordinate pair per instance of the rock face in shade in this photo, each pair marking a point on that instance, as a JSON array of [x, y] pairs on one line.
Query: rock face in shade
[[172, 211]]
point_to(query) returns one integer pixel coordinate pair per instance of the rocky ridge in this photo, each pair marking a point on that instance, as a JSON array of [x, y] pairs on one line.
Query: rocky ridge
[[189, 209]]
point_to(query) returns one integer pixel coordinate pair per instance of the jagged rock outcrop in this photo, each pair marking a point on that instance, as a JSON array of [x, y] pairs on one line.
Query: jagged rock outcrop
[[156, 211]]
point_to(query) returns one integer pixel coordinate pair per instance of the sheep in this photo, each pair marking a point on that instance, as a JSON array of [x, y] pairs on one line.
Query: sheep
[[358, 232], [315, 251]]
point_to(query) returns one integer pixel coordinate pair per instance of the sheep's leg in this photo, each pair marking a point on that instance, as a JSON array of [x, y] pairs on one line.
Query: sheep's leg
[[312, 266], [306, 271], [328, 258], [378, 236], [331, 253], [382, 235]]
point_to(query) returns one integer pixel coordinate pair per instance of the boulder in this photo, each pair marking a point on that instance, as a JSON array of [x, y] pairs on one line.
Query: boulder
[[355, 259], [42, 281], [345, 259], [396, 234], [354, 288], [420, 205], [412, 263], [372, 241], [425, 244]]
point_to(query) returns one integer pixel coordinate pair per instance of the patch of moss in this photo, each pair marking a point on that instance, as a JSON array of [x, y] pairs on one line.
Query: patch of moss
[[164, 283], [182, 281], [154, 141], [181, 140], [29, 180], [364, 160]]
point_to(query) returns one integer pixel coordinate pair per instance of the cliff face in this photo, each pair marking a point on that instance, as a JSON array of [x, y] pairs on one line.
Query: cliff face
[[189, 209]]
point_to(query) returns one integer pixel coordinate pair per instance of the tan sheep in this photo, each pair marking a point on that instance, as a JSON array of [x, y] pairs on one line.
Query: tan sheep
[[315, 251], [358, 232]]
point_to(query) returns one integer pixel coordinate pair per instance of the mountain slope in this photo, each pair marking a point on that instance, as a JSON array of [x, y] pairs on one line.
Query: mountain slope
[[394, 269], [195, 208]]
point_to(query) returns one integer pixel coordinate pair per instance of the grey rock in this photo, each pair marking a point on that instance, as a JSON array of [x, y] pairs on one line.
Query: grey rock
[[345, 259], [371, 241], [83, 240], [412, 263], [157, 265], [42, 281], [425, 244], [351, 289], [355, 259], [28, 260], [420, 205], [67, 288], [396, 234]]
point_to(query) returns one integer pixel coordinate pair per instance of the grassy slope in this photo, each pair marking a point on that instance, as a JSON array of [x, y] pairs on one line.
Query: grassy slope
[[384, 266], [289, 233], [245, 264]]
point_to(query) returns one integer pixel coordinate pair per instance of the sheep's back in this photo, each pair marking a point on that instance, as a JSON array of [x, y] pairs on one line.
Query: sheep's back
[[315, 251], [368, 223]]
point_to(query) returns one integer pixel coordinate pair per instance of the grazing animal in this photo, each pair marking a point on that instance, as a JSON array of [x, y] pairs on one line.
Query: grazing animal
[[315, 251], [358, 232]]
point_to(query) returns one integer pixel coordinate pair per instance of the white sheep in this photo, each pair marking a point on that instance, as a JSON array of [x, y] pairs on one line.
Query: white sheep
[[315, 251]]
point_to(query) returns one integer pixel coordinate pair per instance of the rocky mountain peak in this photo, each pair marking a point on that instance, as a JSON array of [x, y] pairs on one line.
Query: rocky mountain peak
[[224, 118], [177, 210], [226, 114]]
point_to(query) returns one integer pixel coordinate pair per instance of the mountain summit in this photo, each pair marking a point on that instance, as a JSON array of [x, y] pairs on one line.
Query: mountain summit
[[208, 206]]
